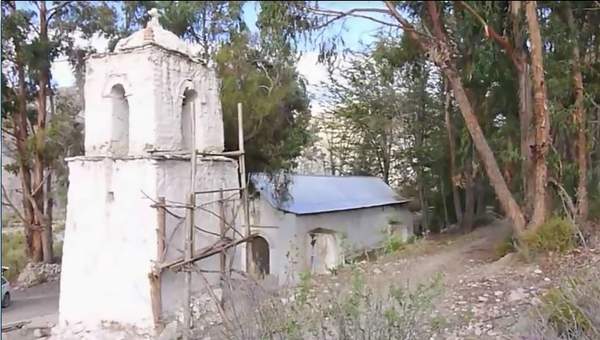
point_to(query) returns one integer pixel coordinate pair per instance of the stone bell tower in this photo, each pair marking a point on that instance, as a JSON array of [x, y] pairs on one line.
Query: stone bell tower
[[141, 101]]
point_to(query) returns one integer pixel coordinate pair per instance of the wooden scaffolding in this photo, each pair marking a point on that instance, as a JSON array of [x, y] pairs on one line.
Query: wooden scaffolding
[[185, 264]]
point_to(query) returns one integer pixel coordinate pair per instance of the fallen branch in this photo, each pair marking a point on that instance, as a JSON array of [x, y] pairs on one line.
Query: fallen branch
[[569, 208], [14, 326]]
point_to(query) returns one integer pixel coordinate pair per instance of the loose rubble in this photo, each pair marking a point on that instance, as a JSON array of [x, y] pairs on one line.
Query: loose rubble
[[37, 273]]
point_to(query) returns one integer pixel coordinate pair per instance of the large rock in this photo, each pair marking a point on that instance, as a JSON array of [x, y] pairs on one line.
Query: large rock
[[36, 273]]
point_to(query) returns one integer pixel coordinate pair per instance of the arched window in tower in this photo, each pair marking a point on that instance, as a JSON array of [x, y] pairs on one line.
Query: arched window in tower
[[120, 121], [187, 111]]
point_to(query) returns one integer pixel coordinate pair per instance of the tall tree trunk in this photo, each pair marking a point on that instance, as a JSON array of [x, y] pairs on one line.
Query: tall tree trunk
[[486, 155], [48, 241], [41, 220], [444, 205], [579, 119], [525, 105], [469, 214], [452, 153], [33, 240], [480, 196], [440, 53], [541, 119], [419, 143]]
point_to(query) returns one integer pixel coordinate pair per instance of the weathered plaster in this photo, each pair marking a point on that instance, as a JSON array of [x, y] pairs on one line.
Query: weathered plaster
[[354, 230], [110, 243]]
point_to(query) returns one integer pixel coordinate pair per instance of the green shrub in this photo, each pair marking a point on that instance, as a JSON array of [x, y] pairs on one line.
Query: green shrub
[[563, 315], [570, 311], [13, 253], [351, 312], [505, 247], [594, 209], [556, 234], [393, 243]]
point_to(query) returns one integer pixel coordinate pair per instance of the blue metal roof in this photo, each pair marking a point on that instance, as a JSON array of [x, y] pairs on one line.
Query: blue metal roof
[[320, 194]]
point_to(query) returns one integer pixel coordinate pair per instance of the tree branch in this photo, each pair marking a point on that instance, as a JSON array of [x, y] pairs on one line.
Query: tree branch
[[56, 8], [490, 33], [405, 24], [355, 12], [10, 204]]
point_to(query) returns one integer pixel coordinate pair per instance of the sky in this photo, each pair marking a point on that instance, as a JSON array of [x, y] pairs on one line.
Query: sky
[[355, 33]]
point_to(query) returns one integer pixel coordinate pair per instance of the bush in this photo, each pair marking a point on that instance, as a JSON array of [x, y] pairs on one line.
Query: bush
[[556, 235], [393, 244], [570, 311], [594, 209], [505, 247], [359, 313], [13, 253]]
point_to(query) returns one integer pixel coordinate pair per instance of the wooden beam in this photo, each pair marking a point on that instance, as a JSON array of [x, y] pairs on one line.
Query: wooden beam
[[155, 275], [206, 252]]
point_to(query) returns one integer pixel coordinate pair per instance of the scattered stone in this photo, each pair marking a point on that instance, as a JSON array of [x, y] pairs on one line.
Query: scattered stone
[[547, 279], [169, 332], [377, 271], [517, 294], [498, 293], [37, 273], [41, 332], [537, 271], [482, 299]]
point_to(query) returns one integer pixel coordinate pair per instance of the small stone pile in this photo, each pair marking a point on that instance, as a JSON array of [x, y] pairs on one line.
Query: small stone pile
[[205, 313], [36, 273]]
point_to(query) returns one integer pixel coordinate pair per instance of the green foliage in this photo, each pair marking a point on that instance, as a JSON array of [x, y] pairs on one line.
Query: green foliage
[[13, 253], [303, 287], [570, 310], [556, 234], [595, 208], [393, 243], [275, 105], [438, 323], [254, 70], [564, 315], [505, 247]]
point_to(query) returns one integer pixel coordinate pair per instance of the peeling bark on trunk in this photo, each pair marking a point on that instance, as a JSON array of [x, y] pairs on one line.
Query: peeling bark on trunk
[[579, 120], [541, 119], [525, 106]]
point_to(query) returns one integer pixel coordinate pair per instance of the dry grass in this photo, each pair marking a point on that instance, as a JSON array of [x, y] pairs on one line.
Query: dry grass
[[570, 311], [354, 313]]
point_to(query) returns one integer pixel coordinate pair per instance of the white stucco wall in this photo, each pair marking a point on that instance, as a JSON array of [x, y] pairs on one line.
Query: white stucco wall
[[109, 242], [110, 236], [154, 80], [355, 230]]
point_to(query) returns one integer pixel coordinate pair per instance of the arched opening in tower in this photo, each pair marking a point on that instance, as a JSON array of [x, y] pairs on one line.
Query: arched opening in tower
[[119, 122], [188, 109]]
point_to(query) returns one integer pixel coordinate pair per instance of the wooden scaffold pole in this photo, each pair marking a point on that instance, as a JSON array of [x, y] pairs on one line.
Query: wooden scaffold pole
[[243, 186], [155, 275], [189, 234]]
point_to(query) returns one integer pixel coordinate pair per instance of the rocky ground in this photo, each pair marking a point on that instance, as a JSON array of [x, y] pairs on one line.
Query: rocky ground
[[483, 297]]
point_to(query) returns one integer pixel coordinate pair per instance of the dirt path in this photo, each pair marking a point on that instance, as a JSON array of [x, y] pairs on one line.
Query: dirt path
[[447, 254], [40, 301], [482, 298]]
